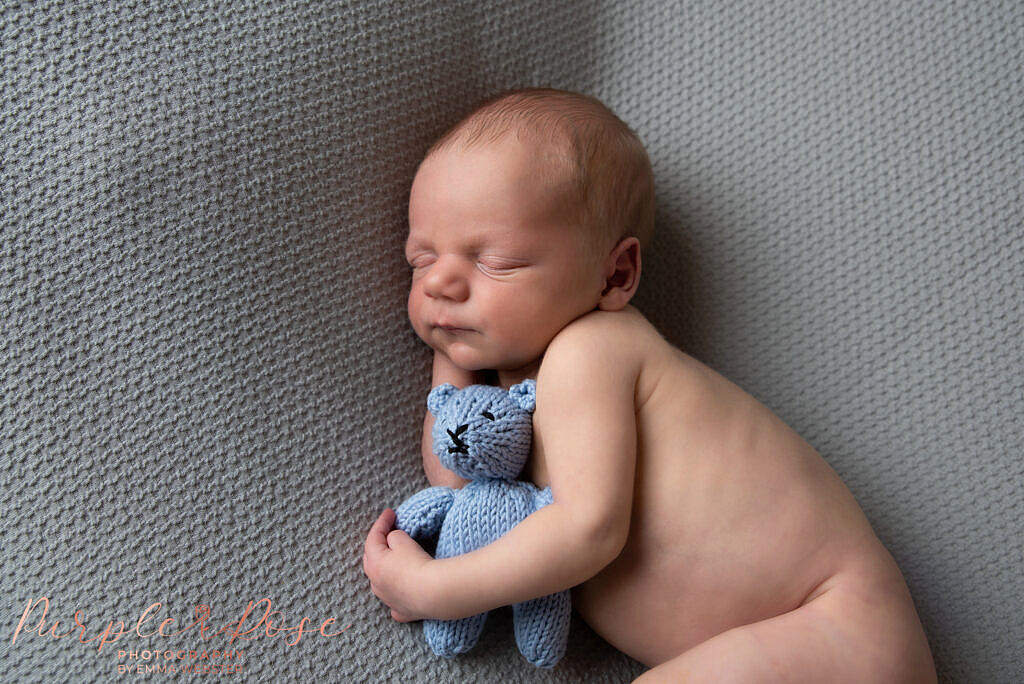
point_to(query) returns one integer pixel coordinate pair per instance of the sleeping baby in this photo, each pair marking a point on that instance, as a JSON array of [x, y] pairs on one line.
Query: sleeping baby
[[698, 532]]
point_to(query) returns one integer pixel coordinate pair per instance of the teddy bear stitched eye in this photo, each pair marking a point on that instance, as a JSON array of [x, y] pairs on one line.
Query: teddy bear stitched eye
[[487, 414]]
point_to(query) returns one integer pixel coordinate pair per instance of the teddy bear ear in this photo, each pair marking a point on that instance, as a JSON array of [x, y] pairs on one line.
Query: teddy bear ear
[[439, 396], [524, 394]]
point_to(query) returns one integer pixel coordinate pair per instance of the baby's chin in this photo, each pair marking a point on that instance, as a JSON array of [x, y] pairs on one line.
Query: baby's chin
[[472, 351], [465, 359], [474, 359], [463, 354]]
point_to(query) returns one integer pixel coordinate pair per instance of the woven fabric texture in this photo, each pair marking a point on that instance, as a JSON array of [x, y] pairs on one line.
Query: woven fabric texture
[[208, 385]]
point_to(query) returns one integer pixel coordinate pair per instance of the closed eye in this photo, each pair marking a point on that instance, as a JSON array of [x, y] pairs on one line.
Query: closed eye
[[494, 270], [419, 264], [500, 264], [487, 414]]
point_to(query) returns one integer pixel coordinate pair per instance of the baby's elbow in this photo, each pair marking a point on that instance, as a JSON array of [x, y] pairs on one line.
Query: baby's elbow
[[607, 537]]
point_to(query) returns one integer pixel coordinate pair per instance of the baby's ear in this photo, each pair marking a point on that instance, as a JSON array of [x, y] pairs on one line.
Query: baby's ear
[[439, 396], [524, 394]]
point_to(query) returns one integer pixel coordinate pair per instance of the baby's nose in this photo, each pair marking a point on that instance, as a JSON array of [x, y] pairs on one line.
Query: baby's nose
[[445, 281]]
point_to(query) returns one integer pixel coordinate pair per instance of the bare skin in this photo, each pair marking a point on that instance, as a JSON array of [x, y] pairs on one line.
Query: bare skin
[[736, 520], [746, 555], [700, 534]]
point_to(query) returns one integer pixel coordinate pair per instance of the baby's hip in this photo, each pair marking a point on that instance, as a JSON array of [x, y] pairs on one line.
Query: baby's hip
[[654, 606], [869, 610]]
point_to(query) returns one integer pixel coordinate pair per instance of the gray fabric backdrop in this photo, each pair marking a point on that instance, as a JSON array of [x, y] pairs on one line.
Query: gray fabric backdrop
[[209, 385]]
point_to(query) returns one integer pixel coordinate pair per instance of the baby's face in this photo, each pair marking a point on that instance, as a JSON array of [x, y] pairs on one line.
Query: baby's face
[[492, 255]]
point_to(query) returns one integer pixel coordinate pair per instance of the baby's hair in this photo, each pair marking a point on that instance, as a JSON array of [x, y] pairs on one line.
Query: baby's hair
[[604, 161]]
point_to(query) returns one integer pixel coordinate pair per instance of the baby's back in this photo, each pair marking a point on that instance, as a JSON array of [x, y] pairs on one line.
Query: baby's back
[[735, 517]]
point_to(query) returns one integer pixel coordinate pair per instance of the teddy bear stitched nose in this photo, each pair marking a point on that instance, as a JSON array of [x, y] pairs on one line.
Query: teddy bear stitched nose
[[460, 446]]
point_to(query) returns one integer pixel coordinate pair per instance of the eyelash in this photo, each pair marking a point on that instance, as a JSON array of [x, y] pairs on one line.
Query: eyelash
[[496, 268], [489, 268]]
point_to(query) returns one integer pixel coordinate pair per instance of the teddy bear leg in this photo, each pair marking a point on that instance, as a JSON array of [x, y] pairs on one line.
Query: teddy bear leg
[[448, 638], [542, 627]]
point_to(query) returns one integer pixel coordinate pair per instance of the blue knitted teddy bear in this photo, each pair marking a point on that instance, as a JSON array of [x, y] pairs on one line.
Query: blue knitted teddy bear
[[483, 433]]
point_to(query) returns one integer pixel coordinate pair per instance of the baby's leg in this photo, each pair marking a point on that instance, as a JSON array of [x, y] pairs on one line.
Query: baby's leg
[[857, 630]]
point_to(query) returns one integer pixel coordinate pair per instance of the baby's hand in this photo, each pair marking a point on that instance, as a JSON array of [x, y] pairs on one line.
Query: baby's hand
[[397, 568]]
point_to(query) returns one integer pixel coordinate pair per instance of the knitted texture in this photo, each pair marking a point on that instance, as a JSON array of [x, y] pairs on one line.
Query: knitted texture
[[209, 386], [499, 435], [483, 433]]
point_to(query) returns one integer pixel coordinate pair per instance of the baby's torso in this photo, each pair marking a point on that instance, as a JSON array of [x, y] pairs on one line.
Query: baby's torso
[[735, 517]]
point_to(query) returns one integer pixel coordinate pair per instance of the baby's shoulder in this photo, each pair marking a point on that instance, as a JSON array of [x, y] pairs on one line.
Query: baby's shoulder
[[602, 342], [624, 331]]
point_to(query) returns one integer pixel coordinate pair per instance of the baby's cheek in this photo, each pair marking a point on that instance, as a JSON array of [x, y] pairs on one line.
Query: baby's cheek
[[421, 328], [520, 331], [413, 308]]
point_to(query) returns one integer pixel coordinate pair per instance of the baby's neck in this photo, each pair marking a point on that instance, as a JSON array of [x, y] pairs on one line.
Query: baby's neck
[[513, 376]]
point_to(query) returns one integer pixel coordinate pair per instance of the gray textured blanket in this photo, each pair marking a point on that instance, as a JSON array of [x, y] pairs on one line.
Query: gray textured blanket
[[209, 388]]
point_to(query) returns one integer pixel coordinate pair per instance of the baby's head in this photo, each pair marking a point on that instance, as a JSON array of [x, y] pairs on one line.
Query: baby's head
[[528, 213]]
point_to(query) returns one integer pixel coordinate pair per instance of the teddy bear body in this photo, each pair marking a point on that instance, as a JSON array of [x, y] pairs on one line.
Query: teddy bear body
[[483, 434]]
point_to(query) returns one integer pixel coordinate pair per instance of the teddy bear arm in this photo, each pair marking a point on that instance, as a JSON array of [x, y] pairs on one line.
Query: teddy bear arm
[[422, 514]]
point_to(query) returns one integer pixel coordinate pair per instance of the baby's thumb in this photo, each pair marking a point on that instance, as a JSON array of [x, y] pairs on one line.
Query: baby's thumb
[[397, 538]]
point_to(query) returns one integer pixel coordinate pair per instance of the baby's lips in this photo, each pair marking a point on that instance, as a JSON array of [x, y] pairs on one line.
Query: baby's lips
[[452, 326]]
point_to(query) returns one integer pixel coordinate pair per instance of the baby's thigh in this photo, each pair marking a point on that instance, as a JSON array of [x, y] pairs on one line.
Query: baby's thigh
[[847, 634]]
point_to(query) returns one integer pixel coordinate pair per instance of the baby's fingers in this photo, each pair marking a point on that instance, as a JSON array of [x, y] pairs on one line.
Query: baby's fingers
[[377, 542], [377, 539], [400, 617], [384, 522]]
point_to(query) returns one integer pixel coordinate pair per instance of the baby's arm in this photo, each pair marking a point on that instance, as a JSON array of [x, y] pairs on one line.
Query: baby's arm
[[444, 371], [585, 423]]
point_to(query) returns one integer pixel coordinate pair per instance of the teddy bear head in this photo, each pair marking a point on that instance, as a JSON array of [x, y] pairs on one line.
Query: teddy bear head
[[483, 431]]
